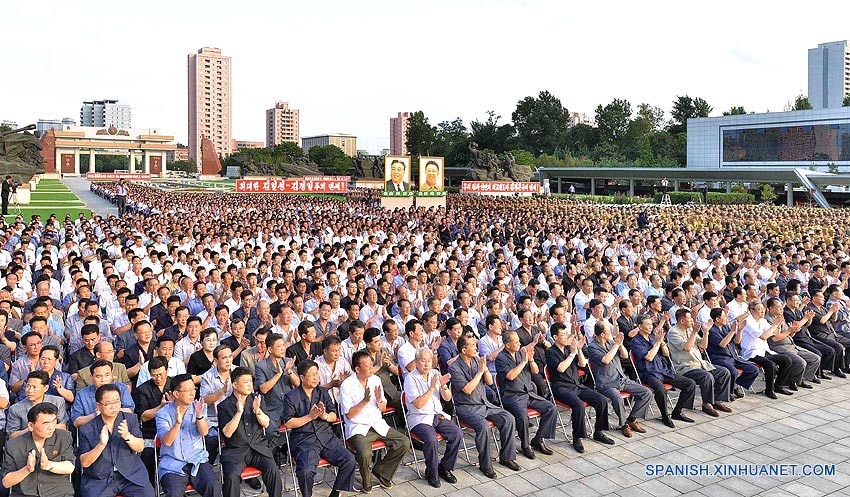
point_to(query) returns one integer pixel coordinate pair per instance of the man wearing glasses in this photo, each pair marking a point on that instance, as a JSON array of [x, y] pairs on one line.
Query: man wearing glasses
[[85, 408], [109, 450], [35, 389], [181, 426]]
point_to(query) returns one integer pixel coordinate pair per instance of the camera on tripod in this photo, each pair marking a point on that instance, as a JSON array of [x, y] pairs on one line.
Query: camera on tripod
[[13, 187]]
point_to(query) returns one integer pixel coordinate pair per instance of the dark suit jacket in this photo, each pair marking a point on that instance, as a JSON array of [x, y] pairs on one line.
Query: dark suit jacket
[[116, 456], [390, 187], [519, 390], [249, 433], [58, 448]]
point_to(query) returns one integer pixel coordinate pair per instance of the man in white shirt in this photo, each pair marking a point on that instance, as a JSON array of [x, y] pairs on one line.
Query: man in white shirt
[[362, 403], [423, 389], [754, 348]]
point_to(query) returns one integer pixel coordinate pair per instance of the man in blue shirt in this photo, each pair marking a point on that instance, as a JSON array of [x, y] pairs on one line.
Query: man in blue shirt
[[654, 371], [181, 427], [308, 413], [85, 407], [109, 451], [723, 352]]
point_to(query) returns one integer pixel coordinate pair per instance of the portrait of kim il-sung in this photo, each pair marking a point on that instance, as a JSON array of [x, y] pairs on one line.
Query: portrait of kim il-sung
[[397, 173]]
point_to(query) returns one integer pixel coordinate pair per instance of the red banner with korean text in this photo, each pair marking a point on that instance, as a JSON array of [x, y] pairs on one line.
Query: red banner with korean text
[[499, 187], [312, 184]]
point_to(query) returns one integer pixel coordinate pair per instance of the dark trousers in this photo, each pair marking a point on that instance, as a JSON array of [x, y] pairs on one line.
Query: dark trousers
[[397, 447], [714, 386], [118, 485], [838, 349], [518, 407], [206, 484], [122, 204], [453, 437], [5, 204], [232, 467], [307, 459], [777, 370], [826, 353], [686, 386], [748, 375], [504, 422], [796, 368], [149, 459], [575, 398], [212, 444]]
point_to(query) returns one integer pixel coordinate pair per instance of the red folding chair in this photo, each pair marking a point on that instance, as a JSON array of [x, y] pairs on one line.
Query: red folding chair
[[248, 473], [323, 463]]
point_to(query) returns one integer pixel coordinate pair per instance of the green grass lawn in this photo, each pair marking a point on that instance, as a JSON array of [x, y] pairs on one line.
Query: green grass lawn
[[51, 197], [45, 212]]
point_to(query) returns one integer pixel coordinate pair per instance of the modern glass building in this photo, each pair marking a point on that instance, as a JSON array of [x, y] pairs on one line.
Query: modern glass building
[[819, 138]]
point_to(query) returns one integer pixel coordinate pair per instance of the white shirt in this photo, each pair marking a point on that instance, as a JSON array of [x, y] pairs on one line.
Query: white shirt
[[751, 343], [348, 349], [351, 392], [326, 374], [175, 367], [185, 348], [406, 353], [414, 386], [735, 309]]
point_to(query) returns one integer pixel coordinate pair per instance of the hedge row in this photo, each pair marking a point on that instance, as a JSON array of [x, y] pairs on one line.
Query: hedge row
[[603, 199], [713, 198]]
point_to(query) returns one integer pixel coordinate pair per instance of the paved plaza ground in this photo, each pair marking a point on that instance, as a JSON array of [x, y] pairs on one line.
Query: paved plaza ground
[[810, 427]]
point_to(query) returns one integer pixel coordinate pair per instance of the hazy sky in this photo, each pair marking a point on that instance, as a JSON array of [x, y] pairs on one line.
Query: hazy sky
[[351, 65]]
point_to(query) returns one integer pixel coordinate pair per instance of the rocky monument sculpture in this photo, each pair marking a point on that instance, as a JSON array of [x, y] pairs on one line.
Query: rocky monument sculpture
[[20, 154], [487, 166], [296, 168]]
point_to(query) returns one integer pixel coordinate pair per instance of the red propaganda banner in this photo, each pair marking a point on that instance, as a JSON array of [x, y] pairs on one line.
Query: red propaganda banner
[[323, 184], [117, 176], [499, 187]]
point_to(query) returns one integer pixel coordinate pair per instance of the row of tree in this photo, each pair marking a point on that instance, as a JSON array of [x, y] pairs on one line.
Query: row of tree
[[540, 133]]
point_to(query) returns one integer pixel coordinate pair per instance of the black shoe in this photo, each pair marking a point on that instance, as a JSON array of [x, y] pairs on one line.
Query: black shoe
[[678, 416], [815, 380], [667, 422], [489, 473], [783, 391], [846, 370], [334, 493], [603, 438], [739, 392], [770, 395], [838, 373], [434, 481], [446, 475], [540, 446], [510, 465], [578, 446], [793, 387], [386, 484], [825, 376], [255, 484], [805, 385], [528, 452]]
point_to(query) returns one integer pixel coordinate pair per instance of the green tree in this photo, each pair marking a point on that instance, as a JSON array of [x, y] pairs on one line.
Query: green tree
[[684, 108], [768, 193], [540, 122], [581, 139], [614, 122], [735, 111], [452, 142], [846, 102], [801, 103], [523, 157], [649, 118], [188, 166], [492, 135], [331, 159], [421, 136]]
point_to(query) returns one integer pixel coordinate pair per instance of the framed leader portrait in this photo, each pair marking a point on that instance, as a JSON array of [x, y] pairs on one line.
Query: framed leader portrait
[[431, 177], [396, 173]]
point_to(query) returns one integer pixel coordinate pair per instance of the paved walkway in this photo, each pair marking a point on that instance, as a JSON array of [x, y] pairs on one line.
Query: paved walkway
[[810, 427], [80, 187]]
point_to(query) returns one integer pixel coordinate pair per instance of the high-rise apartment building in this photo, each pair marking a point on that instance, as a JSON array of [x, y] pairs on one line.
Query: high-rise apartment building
[[398, 133], [210, 108], [281, 125], [348, 143], [105, 113], [829, 74]]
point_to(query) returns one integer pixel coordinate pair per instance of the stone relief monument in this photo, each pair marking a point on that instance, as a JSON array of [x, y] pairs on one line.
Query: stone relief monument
[[20, 154], [487, 166]]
